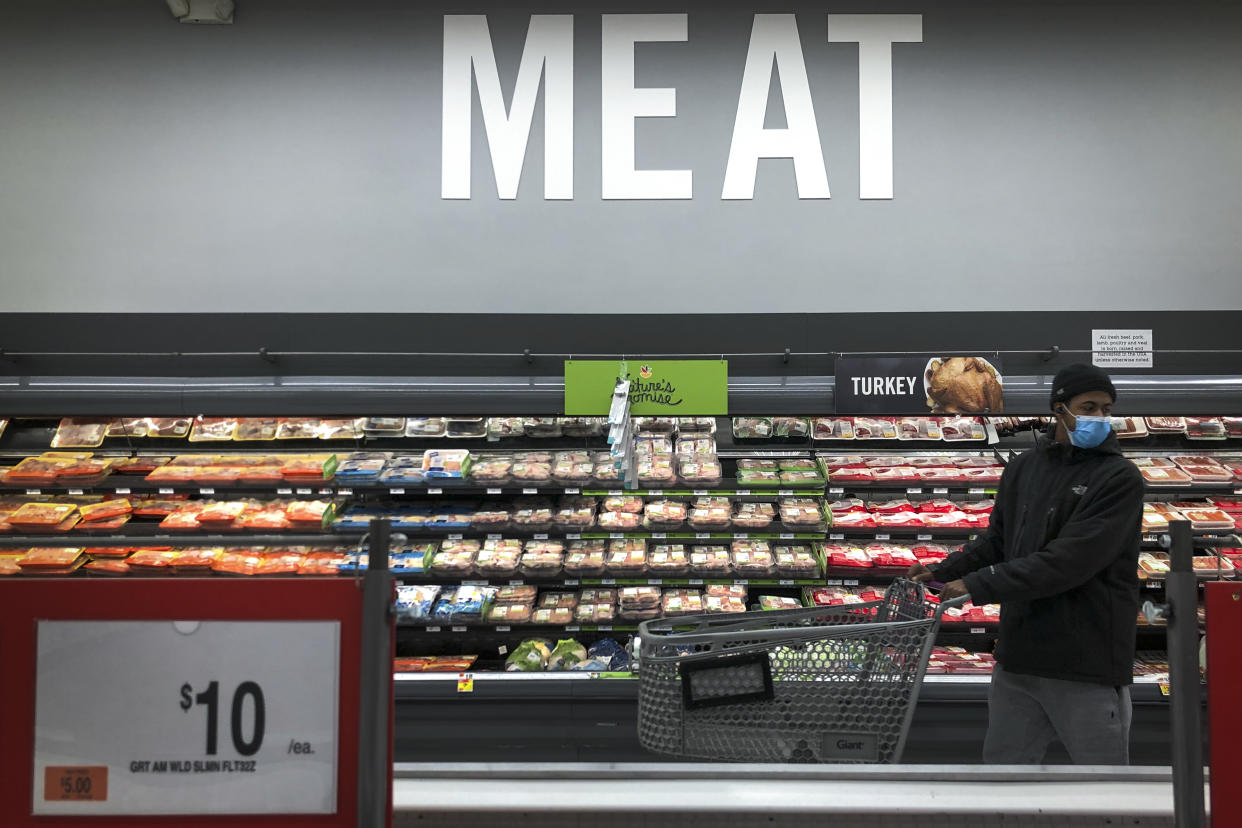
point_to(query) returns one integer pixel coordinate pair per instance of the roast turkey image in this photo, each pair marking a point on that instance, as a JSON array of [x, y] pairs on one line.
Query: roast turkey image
[[963, 385]]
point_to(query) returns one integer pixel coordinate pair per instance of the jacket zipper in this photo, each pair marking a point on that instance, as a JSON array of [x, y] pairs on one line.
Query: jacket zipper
[[1017, 538]]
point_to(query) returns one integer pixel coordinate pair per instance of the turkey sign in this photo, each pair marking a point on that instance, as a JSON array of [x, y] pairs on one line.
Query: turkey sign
[[917, 385]]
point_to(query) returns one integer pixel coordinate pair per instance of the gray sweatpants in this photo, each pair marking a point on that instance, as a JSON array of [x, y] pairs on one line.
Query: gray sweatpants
[[1025, 713]]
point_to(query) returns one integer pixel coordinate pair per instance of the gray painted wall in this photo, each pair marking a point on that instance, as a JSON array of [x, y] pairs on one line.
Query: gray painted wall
[[1048, 156]]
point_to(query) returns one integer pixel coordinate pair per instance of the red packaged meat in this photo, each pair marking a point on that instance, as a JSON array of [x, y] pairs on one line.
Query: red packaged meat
[[900, 519], [938, 505], [895, 474], [853, 520], [1166, 477], [844, 461], [941, 475], [1166, 424], [840, 507], [850, 475], [1208, 474]]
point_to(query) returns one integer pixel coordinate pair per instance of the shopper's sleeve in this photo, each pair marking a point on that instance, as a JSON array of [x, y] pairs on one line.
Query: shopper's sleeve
[[1086, 545], [983, 551]]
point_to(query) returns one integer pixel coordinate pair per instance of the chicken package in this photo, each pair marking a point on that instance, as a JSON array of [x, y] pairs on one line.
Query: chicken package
[[583, 426], [606, 470], [585, 559], [492, 470], [696, 425], [676, 602], [499, 558], [753, 558], [754, 515], [656, 471], [573, 472], [575, 513], [491, 518], [758, 477], [710, 561], [853, 520], [543, 559], [627, 557], [664, 515], [709, 514], [639, 597], [895, 474], [749, 464], [801, 514], [700, 470], [800, 478], [668, 560], [542, 427], [714, 604], [516, 594], [455, 558], [510, 613], [558, 600], [618, 521], [655, 425], [527, 473], [532, 514], [502, 427], [963, 385], [796, 561], [778, 602], [384, 426], [847, 557], [653, 445], [623, 503]]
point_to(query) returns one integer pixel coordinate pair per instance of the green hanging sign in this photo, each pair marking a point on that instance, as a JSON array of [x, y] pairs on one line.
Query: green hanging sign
[[668, 387]]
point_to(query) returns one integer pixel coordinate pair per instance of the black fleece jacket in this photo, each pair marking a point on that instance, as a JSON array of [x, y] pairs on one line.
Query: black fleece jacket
[[1061, 558]]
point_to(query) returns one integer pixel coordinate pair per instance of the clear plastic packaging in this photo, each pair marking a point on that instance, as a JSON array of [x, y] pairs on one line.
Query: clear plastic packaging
[[415, 603], [532, 514], [516, 594], [778, 602], [425, 427], [542, 427], [126, 427], [1166, 425], [292, 428], [801, 515], [753, 558], [710, 561], [500, 428], [668, 560], [918, 428], [384, 426], [699, 472], [677, 602], [755, 477], [582, 426], [832, 428], [627, 557], [709, 514], [623, 503], [453, 463], [664, 515], [697, 425], [874, 428], [553, 616], [796, 561], [753, 515], [605, 470], [455, 558], [465, 429], [801, 478], [79, 433], [543, 558], [498, 558], [491, 469], [168, 426], [749, 428], [575, 513], [531, 473], [655, 425], [618, 521], [791, 427], [690, 444], [962, 428], [510, 613], [585, 559], [748, 464]]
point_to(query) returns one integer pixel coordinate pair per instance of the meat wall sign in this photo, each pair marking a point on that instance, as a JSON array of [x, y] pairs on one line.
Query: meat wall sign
[[917, 385], [547, 68]]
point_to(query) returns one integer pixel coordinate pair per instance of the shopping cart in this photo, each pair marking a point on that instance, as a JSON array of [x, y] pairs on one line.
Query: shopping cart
[[828, 684]]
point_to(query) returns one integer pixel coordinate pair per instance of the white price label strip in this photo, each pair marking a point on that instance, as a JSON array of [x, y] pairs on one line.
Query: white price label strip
[[210, 718]]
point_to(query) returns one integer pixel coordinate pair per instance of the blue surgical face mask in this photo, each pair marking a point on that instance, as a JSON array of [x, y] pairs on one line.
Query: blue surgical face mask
[[1089, 432]]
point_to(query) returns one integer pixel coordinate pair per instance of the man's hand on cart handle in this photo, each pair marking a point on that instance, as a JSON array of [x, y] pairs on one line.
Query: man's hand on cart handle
[[919, 574]]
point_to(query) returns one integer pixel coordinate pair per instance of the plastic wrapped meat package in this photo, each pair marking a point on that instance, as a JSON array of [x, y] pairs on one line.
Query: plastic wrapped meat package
[[213, 429], [801, 514], [573, 468], [583, 426], [169, 426], [668, 560], [875, 428], [627, 557], [341, 429], [748, 464], [655, 425], [832, 428], [711, 561], [1205, 428], [543, 558], [465, 428], [778, 602], [758, 477], [687, 425], [585, 559], [575, 513], [709, 514], [691, 444], [753, 515], [455, 558], [699, 471], [1166, 425], [384, 426], [425, 427], [255, 428], [510, 613], [746, 428], [791, 427], [491, 469], [450, 463], [127, 427], [850, 474], [847, 557], [664, 515], [639, 603], [542, 427], [963, 428], [678, 602], [623, 503], [80, 433], [498, 558], [799, 478], [606, 470], [724, 598], [499, 428], [753, 558], [531, 472], [1129, 427], [918, 428], [656, 471], [618, 521], [532, 514], [796, 561]]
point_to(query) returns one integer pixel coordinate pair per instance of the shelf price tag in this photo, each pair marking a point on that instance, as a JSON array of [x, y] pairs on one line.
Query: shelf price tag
[[530, 491], [850, 582], [574, 536], [883, 536], [787, 535], [200, 491], [940, 491], [493, 491], [75, 491], [699, 492], [431, 629], [701, 535], [741, 535], [571, 582], [540, 536], [278, 491], [340, 491], [743, 492], [396, 491], [836, 490], [786, 582], [241, 719], [977, 630], [304, 492], [655, 581], [695, 581], [923, 537], [976, 491], [784, 492], [914, 491], [458, 629], [836, 537], [170, 491], [34, 492], [494, 537], [573, 491], [435, 491], [615, 492], [465, 683], [616, 535], [126, 491], [659, 535]]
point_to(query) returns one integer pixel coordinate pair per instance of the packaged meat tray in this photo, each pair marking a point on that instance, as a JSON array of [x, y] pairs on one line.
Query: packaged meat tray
[[657, 471], [796, 561], [962, 428], [542, 427], [498, 558], [851, 475], [532, 514], [573, 469], [895, 475], [662, 515], [618, 521], [748, 464], [753, 558], [874, 428], [891, 556], [700, 473], [1129, 427], [212, 429], [709, 514], [504, 614], [777, 602], [831, 596], [627, 557], [1205, 428], [639, 597], [1166, 425], [585, 559], [42, 514], [595, 613], [126, 427], [748, 428], [255, 428], [492, 469], [543, 558], [677, 602], [1208, 474], [384, 426], [853, 520], [425, 427], [1208, 519], [668, 560], [80, 433], [574, 513], [799, 479], [918, 428], [606, 470], [904, 520], [502, 427], [465, 428], [832, 428], [455, 558], [846, 557], [714, 604], [1153, 564], [40, 558], [710, 561], [623, 503], [582, 426], [754, 515], [1210, 566], [802, 515], [655, 425], [841, 507], [833, 462], [696, 425], [1153, 462], [1233, 426], [791, 427], [1166, 477], [169, 426]]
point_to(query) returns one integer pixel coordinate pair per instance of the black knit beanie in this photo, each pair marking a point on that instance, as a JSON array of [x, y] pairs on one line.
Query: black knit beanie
[[1079, 378]]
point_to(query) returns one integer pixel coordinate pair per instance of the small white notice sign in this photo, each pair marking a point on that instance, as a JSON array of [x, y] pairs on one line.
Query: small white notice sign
[[186, 717], [1119, 348]]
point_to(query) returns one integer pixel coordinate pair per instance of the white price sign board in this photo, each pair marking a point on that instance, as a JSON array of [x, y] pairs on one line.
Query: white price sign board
[[1121, 348], [186, 717]]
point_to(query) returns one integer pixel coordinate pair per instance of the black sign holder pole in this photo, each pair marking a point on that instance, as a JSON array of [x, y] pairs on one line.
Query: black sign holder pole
[[375, 696]]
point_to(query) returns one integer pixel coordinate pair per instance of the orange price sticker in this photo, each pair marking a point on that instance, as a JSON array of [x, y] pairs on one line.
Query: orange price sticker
[[465, 683], [75, 784]]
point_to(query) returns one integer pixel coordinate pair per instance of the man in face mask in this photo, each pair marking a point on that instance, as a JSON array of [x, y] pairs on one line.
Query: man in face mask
[[1061, 557]]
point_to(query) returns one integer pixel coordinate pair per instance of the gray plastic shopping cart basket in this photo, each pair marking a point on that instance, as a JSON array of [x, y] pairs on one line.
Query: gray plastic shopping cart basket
[[828, 684]]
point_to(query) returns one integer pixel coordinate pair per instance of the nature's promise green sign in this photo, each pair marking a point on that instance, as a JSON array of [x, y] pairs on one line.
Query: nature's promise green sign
[[670, 387]]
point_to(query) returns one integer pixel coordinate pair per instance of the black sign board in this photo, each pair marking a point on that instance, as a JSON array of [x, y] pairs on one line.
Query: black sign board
[[919, 385]]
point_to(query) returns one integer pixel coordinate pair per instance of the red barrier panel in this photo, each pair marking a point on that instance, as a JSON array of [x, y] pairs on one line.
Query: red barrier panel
[[26, 602], [1224, 680]]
